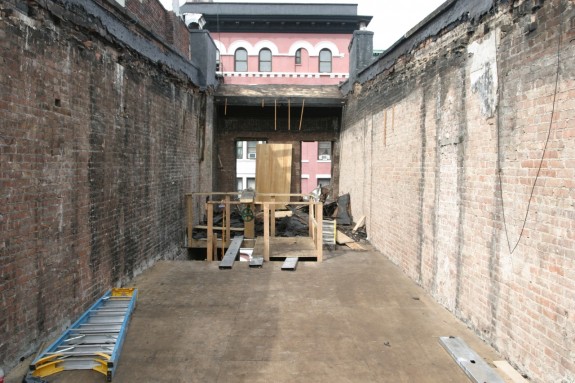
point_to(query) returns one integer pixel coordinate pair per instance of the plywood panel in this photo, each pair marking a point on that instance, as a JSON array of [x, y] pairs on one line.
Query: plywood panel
[[273, 170]]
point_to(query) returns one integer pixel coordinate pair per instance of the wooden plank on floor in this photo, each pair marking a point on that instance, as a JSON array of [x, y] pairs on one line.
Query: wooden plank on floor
[[359, 223], [508, 370], [290, 264], [342, 239], [471, 363], [355, 246], [231, 254]]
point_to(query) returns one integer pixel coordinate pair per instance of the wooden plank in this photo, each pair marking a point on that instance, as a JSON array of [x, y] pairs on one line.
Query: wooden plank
[[210, 249], [355, 246], [283, 213], [508, 370], [471, 363], [190, 217], [319, 238], [290, 263], [249, 226], [273, 218], [266, 232], [359, 223], [229, 258], [218, 228], [342, 239], [273, 171]]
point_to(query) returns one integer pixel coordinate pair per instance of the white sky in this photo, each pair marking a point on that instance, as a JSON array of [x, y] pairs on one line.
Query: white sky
[[391, 18]]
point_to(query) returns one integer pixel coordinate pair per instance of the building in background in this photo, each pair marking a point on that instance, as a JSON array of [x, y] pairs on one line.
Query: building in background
[[286, 59]]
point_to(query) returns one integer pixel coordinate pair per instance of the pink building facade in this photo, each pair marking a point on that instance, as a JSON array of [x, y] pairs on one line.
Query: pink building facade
[[293, 58]]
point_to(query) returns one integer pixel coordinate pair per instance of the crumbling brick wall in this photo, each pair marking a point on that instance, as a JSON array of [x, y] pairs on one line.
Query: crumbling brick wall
[[441, 145], [98, 146]]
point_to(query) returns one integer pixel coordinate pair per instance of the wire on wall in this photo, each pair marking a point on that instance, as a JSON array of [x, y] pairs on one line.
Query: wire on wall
[[500, 170]]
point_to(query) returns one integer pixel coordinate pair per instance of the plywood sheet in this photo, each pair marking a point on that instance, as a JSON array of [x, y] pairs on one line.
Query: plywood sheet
[[273, 170]]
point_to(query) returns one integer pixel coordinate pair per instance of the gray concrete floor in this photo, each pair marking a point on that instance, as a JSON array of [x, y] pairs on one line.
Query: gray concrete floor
[[353, 318]]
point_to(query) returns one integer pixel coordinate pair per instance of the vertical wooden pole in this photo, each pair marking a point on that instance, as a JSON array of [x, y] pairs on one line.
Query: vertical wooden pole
[[289, 114], [273, 217], [249, 226], [228, 219], [266, 232], [310, 219], [190, 217], [275, 114], [319, 219], [210, 248]]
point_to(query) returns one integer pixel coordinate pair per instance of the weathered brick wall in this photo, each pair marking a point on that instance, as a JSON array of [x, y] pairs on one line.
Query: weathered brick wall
[[255, 124], [420, 148], [97, 148]]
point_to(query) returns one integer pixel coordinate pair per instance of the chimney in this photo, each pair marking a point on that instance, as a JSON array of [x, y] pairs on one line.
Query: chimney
[[360, 53]]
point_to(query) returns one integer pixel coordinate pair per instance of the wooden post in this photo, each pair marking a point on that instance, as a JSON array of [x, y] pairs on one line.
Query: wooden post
[[190, 217], [273, 217], [228, 219], [310, 219], [249, 226], [319, 220], [210, 247], [266, 232], [289, 114], [301, 116]]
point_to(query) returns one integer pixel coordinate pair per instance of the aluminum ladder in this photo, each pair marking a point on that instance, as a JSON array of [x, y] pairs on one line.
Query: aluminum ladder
[[94, 341]]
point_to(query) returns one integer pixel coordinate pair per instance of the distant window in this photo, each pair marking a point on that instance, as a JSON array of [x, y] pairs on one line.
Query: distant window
[[239, 150], [240, 183], [324, 150], [241, 60], [251, 183], [265, 60], [298, 57], [325, 61], [323, 181], [252, 149]]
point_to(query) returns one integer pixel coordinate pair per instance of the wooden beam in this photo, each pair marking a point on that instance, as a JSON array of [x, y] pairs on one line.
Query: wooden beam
[[190, 217], [301, 116], [359, 224], [210, 249], [342, 239], [319, 239], [266, 232], [273, 218]]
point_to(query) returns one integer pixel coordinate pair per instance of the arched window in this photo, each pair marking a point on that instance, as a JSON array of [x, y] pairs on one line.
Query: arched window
[[241, 60], [265, 60], [298, 57], [325, 61]]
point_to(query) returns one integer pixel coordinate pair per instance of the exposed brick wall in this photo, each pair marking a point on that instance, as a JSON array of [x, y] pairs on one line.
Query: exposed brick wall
[[419, 156], [255, 123], [97, 148]]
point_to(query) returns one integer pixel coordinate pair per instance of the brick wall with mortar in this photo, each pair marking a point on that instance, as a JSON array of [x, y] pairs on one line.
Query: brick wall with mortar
[[431, 131], [254, 123], [97, 148]]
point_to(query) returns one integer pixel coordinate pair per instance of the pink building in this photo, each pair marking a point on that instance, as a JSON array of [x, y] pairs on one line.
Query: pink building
[[280, 55]]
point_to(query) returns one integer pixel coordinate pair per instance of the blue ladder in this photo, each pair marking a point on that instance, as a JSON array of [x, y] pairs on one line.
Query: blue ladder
[[94, 341]]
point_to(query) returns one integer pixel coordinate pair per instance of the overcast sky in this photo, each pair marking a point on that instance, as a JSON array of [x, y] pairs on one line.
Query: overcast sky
[[391, 18]]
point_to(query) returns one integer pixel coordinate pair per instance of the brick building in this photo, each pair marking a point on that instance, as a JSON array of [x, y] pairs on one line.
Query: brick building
[[457, 144], [280, 67]]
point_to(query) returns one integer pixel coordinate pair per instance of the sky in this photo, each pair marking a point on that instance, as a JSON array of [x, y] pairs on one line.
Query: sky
[[391, 18]]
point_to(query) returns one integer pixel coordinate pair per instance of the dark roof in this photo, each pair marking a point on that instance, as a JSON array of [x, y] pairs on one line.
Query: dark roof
[[314, 95], [278, 17]]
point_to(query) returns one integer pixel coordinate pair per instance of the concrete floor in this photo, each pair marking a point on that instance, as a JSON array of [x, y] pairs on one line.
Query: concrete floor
[[353, 318]]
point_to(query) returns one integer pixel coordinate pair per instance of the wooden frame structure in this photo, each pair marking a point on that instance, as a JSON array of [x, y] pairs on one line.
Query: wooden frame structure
[[269, 206]]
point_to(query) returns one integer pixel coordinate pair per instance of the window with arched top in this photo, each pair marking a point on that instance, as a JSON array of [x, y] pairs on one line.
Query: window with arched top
[[241, 60], [298, 56], [265, 61], [325, 61]]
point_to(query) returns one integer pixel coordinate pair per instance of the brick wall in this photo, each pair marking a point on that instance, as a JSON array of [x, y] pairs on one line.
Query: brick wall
[[420, 148], [97, 148], [254, 123]]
